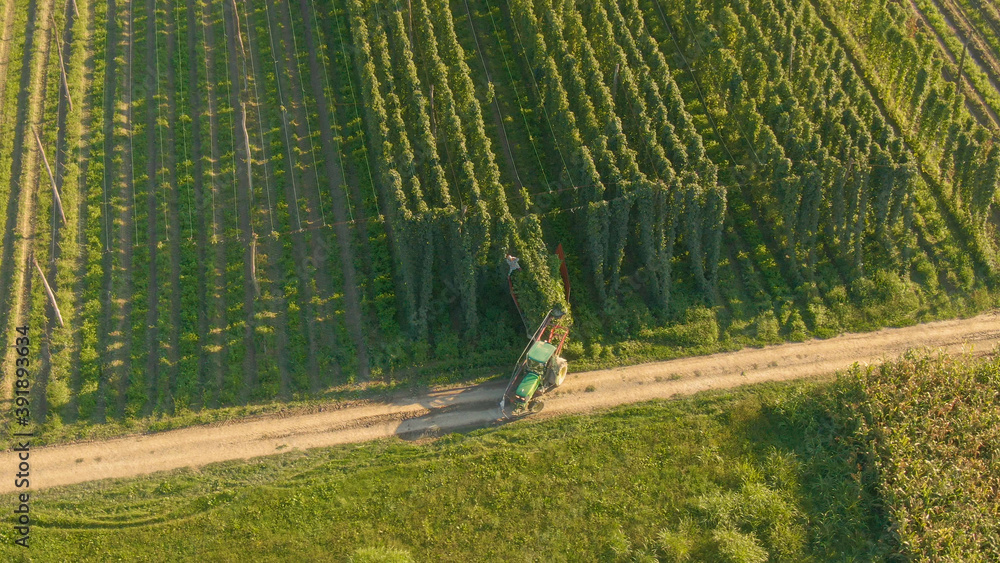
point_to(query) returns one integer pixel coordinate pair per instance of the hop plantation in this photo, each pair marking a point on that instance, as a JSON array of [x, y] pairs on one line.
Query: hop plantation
[[257, 201]]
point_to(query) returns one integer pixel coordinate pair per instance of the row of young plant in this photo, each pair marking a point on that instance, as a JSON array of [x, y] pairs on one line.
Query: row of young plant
[[310, 181], [21, 45], [276, 270], [385, 342], [61, 221], [14, 27], [266, 259], [150, 325], [89, 389], [104, 275], [20, 175]]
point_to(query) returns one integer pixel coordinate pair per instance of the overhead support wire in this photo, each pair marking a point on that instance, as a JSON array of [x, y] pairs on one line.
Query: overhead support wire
[[496, 101], [332, 99], [694, 79], [538, 92], [260, 127], [284, 122], [62, 64], [305, 110], [232, 133], [357, 112]]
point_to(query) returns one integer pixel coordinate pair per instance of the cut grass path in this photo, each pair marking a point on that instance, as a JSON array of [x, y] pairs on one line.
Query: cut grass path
[[445, 410]]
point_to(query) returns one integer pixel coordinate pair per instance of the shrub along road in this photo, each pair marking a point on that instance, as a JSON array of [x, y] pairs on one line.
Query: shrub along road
[[451, 409]]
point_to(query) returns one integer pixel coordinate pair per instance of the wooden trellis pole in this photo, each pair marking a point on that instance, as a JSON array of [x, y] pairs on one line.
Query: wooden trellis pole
[[62, 65], [433, 119], [253, 264], [45, 159], [791, 55], [961, 65], [246, 147], [614, 89], [48, 290]]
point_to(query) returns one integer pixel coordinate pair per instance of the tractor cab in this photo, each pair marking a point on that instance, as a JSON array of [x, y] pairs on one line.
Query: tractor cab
[[539, 355]]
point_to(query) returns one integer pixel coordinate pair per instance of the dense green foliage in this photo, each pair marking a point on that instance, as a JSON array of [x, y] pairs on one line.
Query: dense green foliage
[[884, 462], [928, 430], [264, 201]]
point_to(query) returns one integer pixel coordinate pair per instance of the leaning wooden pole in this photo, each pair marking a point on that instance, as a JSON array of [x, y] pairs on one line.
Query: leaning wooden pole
[[45, 159], [62, 65], [246, 147], [48, 290]]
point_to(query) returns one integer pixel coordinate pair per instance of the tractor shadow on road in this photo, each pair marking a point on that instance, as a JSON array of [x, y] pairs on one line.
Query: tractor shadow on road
[[455, 410]]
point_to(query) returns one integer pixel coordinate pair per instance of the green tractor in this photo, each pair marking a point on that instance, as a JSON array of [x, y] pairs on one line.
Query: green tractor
[[539, 369]]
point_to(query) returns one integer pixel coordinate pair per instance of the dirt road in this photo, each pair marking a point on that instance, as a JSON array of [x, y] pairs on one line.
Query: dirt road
[[450, 409]]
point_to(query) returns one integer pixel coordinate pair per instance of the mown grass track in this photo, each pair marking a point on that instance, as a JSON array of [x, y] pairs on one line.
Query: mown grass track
[[15, 283]]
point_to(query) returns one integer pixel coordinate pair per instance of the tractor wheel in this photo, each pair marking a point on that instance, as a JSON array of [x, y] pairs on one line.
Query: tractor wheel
[[557, 371]]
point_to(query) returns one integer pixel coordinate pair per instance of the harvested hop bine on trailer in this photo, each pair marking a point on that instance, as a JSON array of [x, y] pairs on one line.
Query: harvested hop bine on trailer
[[539, 369]]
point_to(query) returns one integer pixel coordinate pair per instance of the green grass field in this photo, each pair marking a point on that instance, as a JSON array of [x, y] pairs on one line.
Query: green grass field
[[877, 465], [681, 475]]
